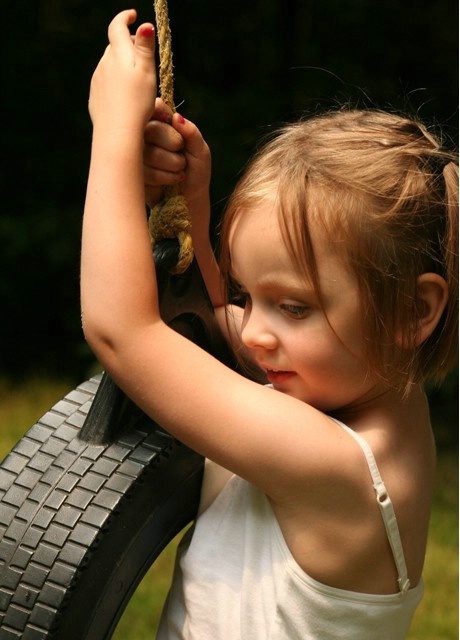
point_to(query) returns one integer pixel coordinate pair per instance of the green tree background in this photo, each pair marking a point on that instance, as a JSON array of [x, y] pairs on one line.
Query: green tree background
[[240, 69]]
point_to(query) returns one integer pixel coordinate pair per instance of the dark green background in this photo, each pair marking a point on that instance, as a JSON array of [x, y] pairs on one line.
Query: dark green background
[[241, 67]]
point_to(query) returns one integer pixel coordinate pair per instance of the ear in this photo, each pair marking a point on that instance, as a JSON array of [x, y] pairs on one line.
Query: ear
[[433, 293]]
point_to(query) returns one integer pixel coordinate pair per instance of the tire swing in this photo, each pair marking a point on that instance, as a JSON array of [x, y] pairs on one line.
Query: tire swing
[[95, 490]]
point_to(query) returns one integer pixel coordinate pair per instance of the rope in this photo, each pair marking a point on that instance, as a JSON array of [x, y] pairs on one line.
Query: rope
[[170, 218]]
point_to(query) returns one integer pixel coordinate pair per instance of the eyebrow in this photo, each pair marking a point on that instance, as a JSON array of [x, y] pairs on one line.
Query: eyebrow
[[288, 286], [297, 287]]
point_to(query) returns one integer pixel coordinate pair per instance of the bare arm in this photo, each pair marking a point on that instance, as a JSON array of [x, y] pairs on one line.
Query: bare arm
[[176, 153], [229, 419]]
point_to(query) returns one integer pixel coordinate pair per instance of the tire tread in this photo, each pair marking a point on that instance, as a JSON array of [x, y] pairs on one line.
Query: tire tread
[[58, 497]]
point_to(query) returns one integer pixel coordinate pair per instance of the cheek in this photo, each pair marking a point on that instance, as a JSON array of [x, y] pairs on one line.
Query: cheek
[[353, 342], [348, 331], [324, 349], [313, 348]]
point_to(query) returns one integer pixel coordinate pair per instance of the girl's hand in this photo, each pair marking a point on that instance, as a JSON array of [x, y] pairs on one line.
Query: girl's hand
[[123, 87], [175, 152]]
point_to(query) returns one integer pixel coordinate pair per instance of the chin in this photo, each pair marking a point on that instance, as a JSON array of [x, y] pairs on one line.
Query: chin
[[306, 397]]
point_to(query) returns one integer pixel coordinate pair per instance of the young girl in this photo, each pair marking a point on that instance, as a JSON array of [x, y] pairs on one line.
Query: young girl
[[341, 242]]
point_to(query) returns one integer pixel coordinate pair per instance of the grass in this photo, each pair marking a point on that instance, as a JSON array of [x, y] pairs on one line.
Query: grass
[[21, 405], [437, 616]]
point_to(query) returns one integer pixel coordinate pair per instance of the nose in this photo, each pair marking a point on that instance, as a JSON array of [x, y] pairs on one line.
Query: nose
[[257, 331]]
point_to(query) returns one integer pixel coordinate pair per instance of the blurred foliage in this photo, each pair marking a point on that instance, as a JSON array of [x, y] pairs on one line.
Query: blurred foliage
[[241, 68]]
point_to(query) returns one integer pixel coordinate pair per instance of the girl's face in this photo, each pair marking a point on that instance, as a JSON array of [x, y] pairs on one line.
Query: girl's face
[[312, 352]]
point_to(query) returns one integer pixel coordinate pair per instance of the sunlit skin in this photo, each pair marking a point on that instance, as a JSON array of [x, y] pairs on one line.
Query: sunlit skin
[[284, 441], [312, 352]]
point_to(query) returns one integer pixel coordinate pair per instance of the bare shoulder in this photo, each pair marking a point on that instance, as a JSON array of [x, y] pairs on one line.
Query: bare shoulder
[[336, 535], [407, 463]]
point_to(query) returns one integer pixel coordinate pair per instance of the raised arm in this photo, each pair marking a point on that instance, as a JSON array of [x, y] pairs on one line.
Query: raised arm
[[224, 416], [176, 153], [116, 243]]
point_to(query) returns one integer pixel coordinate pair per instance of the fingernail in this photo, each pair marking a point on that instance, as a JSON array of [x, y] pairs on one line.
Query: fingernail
[[147, 32], [181, 119], [166, 118]]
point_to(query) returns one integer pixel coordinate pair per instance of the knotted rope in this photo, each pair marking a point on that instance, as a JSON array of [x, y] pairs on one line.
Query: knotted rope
[[170, 218]]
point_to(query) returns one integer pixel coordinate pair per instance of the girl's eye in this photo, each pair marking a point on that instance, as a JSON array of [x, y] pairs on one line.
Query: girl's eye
[[297, 311]]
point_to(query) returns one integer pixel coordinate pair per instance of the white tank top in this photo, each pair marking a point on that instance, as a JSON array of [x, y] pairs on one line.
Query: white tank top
[[235, 579]]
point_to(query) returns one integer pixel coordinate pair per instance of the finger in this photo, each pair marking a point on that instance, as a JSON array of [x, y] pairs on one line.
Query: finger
[[119, 34], [144, 45], [159, 178], [159, 158], [160, 134], [162, 111], [195, 144]]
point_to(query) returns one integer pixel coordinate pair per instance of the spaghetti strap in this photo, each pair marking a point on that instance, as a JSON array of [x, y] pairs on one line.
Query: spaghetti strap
[[386, 509]]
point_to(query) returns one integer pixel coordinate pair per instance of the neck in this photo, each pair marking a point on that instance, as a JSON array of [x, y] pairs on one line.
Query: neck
[[385, 403]]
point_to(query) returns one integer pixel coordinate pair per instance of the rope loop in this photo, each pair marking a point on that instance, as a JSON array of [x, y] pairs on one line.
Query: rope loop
[[170, 219]]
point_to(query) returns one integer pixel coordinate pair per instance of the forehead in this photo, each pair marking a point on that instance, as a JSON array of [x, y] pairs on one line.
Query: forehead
[[259, 253], [255, 235]]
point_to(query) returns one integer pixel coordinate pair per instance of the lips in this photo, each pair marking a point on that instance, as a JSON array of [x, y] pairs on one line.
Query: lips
[[278, 377]]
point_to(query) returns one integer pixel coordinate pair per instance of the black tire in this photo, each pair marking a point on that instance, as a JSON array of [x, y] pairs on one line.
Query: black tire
[[81, 523], [93, 492]]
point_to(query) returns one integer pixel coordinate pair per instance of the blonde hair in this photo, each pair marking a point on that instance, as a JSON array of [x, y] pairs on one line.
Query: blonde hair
[[385, 192]]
